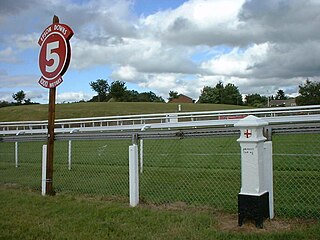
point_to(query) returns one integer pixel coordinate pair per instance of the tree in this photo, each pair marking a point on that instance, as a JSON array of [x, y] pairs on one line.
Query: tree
[[231, 95], [101, 87], [207, 95], [150, 97], [256, 100], [118, 90], [280, 95], [19, 96], [173, 95], [221, 95], [309, 93], [212, 95]]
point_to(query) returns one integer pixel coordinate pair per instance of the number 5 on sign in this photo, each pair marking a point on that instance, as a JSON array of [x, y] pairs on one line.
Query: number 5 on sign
[[55, 52], [50, 54]]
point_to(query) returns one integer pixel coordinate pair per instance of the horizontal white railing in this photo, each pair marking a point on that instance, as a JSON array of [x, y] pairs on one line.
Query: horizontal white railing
[[164, 120]]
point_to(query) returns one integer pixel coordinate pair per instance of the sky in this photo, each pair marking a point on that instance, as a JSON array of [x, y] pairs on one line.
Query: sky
[[164, 45]]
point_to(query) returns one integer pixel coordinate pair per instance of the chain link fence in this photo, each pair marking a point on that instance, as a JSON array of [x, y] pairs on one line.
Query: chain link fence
[[193, 170], [199, 167], [296, 164]]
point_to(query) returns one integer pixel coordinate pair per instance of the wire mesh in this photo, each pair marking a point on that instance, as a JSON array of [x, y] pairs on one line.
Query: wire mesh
[[296, 161], [201, 170], [197, 171], [97, 167], [28, 169]]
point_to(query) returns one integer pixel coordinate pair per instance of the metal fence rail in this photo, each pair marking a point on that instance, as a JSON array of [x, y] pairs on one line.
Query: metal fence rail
[[67, 125], [191, 166]]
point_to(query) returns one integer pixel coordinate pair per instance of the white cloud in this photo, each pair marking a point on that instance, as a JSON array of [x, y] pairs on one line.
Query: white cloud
[[238, 62], [8, 55], [73, 96], [145, 55], [125, 73], [196, 21]]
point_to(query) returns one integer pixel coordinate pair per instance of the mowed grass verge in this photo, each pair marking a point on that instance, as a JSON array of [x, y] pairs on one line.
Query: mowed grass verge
[[26, 214], [101, 109]]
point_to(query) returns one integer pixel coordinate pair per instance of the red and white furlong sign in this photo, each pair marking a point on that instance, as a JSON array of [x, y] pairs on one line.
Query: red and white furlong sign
[[55, 54]]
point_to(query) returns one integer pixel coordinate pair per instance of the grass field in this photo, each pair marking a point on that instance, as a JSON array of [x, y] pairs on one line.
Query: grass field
[[196, 171], [27, 215], [78, 110]]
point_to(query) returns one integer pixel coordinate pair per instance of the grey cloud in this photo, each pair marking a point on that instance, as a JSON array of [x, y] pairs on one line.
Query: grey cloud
[[290, 60], [281, 21], [18, 81], [10, 7], [180, 24]]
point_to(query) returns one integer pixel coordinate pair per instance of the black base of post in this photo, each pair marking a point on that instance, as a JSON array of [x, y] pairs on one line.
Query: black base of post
[[253, 207]]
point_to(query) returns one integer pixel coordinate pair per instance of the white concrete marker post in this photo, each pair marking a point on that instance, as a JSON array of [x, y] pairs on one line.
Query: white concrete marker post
[[256, 194], [133, 175]]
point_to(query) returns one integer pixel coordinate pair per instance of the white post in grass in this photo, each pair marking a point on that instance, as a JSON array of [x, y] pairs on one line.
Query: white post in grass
[[16, 150], [44, 170], [70, 148], [141, 155], [255, 199], [69, 154], [133, 175], [145, 127], [16, 154]]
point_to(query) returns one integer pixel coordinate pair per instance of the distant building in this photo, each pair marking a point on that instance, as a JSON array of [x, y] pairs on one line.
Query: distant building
[[182, 99], [283, 103]]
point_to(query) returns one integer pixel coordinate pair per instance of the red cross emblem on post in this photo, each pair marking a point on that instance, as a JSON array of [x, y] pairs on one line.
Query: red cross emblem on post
[[247, 133]]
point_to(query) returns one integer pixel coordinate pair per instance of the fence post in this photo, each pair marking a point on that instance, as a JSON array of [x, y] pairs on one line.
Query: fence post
[[133, 175], [44, 170], [16, 152], [255, 198], [268, 165], [145, 127], [70, 148], [69, 154]]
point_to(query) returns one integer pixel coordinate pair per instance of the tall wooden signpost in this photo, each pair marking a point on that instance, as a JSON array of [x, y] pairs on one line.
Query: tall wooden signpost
[[54, 59]]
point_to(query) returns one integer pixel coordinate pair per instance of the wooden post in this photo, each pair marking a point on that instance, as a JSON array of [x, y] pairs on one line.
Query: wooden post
[[50, 143]]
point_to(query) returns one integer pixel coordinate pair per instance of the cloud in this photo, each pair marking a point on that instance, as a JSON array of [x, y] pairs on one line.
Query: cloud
[[8, 55], [257, 45], [125, 73], [237, 62], [280, 21], [145, 55], [73, 97], [18, 81], [197, 22]]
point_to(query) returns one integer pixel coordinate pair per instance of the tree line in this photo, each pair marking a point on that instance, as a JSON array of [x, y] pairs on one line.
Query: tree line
[[309, 94], [20, 98], [118, 92]]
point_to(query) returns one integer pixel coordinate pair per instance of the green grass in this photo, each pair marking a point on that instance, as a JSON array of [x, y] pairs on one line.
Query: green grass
[[78, 110], [26, 214]]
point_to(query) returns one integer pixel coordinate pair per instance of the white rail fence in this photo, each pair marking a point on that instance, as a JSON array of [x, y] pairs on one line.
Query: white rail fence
[[164, 120]]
